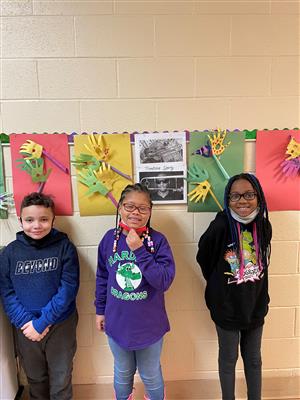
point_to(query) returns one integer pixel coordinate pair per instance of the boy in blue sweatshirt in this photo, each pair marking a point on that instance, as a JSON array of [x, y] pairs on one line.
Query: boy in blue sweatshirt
[[39, 280]]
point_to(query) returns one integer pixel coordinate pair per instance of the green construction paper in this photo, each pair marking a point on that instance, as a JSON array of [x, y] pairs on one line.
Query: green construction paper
[[94, 185], [232, 159], [84, 161], [250, 134], [35, 168], [4, 138], [3, 213]]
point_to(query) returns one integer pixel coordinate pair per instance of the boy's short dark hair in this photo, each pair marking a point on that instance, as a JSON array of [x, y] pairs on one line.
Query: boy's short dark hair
[[38, 199]]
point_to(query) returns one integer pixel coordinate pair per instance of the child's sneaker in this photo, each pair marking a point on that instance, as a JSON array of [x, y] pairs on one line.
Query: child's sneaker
[[130, 397]]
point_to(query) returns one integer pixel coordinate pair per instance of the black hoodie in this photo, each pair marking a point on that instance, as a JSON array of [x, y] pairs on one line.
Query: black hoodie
[[235, 302]]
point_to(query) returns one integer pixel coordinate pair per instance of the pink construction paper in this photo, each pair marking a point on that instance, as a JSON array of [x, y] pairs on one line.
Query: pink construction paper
[[58, 183], [282, 192]]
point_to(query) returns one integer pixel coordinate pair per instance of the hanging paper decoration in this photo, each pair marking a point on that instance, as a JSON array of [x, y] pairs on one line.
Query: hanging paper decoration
[[34, 151], [291, 165], [218, 147], [99, 156], [35, 168], [100, 182], [277, 167], [43, 168], [6, 200], [214, 157], [33, 163], [200, 178], [103, 164]]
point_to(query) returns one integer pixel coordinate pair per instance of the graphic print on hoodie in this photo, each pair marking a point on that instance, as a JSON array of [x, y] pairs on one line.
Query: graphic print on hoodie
[[250, 270]]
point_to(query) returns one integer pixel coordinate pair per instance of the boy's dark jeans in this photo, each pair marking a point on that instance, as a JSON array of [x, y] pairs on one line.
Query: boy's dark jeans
[[250, 344], [48, 364]]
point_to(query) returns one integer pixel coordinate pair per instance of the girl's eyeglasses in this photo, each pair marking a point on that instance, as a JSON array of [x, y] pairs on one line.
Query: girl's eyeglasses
[[237, 196], [131, 207]]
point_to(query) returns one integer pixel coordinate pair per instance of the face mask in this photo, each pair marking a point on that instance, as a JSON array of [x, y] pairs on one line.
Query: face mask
[[244, 220], [127, 228]]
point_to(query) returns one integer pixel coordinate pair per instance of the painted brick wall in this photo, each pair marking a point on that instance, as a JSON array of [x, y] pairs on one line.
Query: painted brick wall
[[160, 65]]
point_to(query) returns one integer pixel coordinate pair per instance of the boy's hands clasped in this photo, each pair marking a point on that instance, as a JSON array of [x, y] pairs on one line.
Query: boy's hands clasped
[[31, 334], [100, 322]]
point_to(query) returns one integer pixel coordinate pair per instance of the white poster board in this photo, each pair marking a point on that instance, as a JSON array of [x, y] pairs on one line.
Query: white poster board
[[161, 165]]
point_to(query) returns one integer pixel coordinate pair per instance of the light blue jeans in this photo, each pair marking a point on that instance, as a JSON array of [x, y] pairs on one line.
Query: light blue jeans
[[147, 361]]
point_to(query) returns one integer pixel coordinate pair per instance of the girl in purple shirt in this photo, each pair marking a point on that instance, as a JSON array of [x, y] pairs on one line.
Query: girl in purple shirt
[[135, 268]]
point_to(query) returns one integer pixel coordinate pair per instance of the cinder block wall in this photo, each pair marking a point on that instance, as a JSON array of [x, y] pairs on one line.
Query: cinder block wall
[[160, 65]]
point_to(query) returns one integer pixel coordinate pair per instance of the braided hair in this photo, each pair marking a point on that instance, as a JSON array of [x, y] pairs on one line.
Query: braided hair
[[264, 230], [139, 188]]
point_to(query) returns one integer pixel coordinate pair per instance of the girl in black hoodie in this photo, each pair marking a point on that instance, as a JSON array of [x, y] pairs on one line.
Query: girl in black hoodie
[[234, 255]]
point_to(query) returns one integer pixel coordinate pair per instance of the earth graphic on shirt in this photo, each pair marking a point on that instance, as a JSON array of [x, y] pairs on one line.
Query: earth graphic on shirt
[[128, 276]]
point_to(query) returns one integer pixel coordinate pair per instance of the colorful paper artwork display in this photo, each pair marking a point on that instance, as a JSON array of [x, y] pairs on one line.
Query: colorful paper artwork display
[[104, 168], [278, 166], [213, 158], [42, 168], [103, 162], [199, 178], [161, 165]]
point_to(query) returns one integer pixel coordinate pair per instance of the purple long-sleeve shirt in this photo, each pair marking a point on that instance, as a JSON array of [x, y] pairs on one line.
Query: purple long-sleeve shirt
[[130, 288]]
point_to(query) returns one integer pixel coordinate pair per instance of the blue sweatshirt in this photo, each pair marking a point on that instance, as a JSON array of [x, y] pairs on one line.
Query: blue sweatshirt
[[39, 280], [130, 288]]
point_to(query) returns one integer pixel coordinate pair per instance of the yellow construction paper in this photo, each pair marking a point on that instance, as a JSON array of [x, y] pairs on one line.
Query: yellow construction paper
[[117, 155]]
